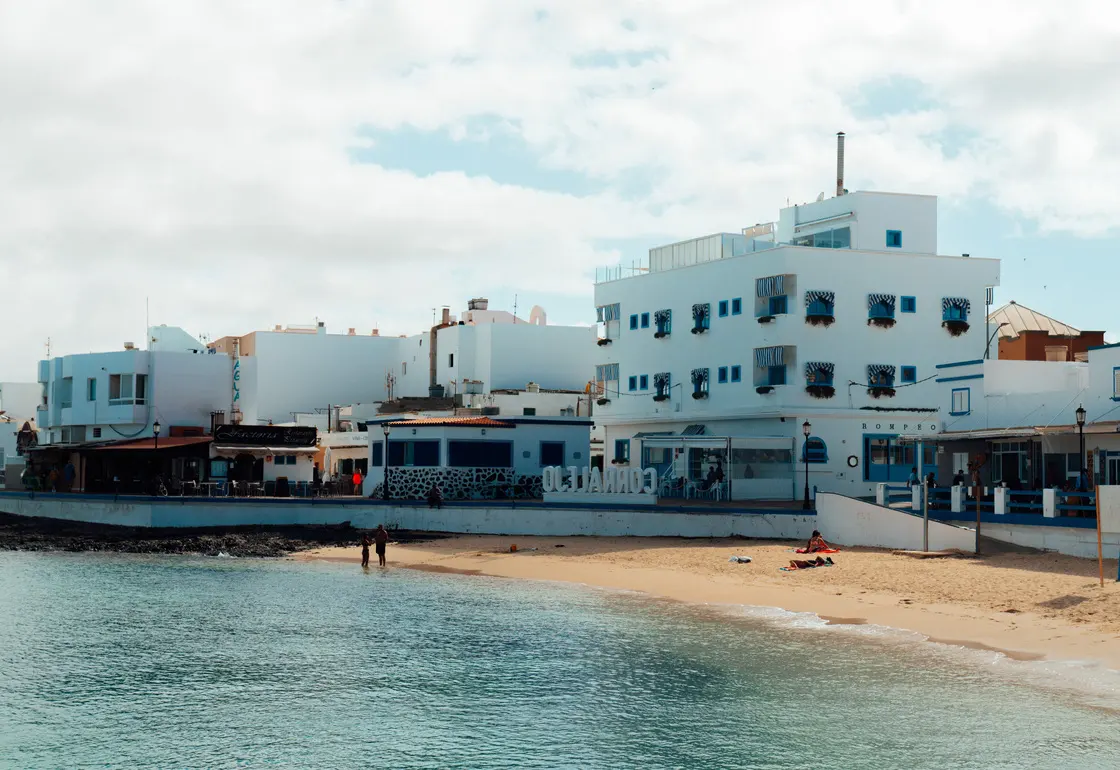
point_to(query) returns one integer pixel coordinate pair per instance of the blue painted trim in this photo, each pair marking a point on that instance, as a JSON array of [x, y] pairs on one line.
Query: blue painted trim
[[1104, 347], [959, 363], [968, 518], [362, 501], [962, 377]]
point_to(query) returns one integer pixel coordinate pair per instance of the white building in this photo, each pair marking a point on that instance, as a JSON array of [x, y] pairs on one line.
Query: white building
[[472, 457], [720, 350], [118, 395], [1022, 417]]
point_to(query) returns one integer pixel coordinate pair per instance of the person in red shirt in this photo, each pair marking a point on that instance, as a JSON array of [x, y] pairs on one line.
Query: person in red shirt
[[357, 482]]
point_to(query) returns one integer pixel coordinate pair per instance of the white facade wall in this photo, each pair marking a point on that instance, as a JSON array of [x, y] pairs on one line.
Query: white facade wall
[[851, 522], [872, 214]]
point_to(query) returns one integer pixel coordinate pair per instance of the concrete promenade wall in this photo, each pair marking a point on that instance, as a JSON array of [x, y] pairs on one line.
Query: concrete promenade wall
[[848, 521], [478, 518]]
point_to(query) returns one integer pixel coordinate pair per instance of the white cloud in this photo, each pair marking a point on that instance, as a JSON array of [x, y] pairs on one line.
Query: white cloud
[[196, 153]]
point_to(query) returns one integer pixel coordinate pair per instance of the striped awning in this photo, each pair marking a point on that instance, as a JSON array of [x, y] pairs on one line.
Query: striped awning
[[662, 316], [700, 311], [957, 302], [699, 376], [608, 312], [661, 381], [875, 371], [880, 299], [773, 356], [819, 367], [774, 286], [606, 373], [819, 296]]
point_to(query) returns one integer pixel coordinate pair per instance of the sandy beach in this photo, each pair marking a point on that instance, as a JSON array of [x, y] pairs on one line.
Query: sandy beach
[[1029, 606]]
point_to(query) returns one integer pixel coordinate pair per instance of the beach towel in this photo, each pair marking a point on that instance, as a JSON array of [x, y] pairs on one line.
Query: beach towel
[[741, 559], [828, 563], [819, 550]]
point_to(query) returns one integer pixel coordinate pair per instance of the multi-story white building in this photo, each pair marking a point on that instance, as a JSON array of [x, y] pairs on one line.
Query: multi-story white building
[[718, 352], [121, 394]]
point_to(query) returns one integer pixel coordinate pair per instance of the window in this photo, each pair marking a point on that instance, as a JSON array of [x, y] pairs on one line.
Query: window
[[954, 308], [291, 460], [722, 308], [662, 382], [645, 320], [909, 304], [423, 453], [643, 382], [880, 306], [404, 368], [91, 389], [721, 374], [622, 450], [880, 375], [1116, 383], [97, 432], [479, 454], [776, 375], [701, 317], [699, 382], [894, 239], [529, 411], [632, 382], [375, 455], [451, 359], [736, 374], [66, 392], [634, 321], [962, 398], [736, 306], [664, 321], [813, 450], [779, 305], [820, 304], [552, 453], [909, 374], [141, 388]]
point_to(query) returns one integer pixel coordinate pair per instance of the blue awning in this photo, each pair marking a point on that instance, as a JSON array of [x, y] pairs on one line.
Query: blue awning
[[957, 302], [822, 367], [774, 356], [880, 299], [820, 296], [880, 370]]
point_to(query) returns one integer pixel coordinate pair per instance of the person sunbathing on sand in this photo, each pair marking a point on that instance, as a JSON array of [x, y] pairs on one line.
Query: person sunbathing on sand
[[802, 564], [817, 544]]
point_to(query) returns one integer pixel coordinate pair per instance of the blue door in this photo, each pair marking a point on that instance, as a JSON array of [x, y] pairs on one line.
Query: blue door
[[884, 459]]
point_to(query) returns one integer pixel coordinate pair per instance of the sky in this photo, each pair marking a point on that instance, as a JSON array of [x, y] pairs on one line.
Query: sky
[[229, 165]]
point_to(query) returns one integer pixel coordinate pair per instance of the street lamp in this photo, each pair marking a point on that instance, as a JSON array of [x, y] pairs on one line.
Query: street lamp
[[1081, 441], [156, 428], [988, 345], [805, 429], [385, 462]]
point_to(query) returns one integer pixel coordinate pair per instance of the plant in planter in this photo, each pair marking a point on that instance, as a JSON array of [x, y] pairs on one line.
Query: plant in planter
[[603, 401], [820, 308], [881, 391], [701, 313], [764, 389], [954, 315], [880, 310], [699, 383], [820, 320], [955, 327], [880, 380], [661, 384], [664, 321], [882, 323], [604, 341], [820, 391], [765, 319]]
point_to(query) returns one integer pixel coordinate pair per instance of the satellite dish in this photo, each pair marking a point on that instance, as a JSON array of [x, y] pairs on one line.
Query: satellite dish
[[820, 197]]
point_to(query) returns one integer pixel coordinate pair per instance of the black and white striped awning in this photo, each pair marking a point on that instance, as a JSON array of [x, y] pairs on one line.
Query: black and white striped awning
[[819, 296], [875, 371], [606, 373], [774, 286], [957, 302], [774, 356], [880, 299], [819, 367], [662, 316], [608, 313], [700, 311], [661, 381], [699, 376]]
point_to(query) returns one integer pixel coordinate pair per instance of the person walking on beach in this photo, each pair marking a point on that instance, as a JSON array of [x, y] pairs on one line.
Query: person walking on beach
[[380, 539], [365, 550]]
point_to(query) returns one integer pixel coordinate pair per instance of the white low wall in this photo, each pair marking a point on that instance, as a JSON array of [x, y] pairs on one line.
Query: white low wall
[[1072, 541], [848, 521], [554, 521]]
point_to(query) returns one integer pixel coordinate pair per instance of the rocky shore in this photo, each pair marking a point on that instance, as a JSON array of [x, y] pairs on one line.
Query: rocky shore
[[19, 533]]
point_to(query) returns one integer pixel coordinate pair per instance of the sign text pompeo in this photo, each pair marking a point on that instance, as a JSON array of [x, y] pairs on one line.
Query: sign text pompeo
[[557, 478]]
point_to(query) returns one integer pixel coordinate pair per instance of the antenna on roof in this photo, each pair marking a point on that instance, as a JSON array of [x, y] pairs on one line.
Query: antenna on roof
[[515, 308], [839, 163]]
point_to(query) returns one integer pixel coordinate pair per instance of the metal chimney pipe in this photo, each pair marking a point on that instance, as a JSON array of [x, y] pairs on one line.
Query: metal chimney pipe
[[839, 163]]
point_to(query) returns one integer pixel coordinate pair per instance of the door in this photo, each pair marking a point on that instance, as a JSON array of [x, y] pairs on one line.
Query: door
[[884, 459], [1113, 470]]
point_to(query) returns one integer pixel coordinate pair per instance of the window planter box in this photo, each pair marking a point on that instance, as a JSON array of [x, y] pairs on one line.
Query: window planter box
[[699, 395], [955, 327], [820, 391], [765, 319], [659, 335], [604, 341], [764, 389], [699, 329], [620, 462], [881, 322], [603, 401], [661, 397], [820, 320], [881, 391]]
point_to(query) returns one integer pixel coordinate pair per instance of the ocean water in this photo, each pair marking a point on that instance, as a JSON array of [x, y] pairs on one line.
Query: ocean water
[[110, 661]]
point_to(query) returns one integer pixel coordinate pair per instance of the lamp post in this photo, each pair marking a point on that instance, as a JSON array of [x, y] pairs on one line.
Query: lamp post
[[1080, 413], [805, 428], [385, 463], [988, 346], [156, 428]]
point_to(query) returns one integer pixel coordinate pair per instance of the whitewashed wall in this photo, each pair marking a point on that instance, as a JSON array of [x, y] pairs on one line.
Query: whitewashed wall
[[850, 522]]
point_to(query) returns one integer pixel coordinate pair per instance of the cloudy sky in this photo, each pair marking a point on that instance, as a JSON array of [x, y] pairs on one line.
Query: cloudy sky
[[242, 163]]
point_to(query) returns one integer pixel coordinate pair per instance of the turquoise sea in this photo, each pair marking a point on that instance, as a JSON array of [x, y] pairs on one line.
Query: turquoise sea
[[110, 661]]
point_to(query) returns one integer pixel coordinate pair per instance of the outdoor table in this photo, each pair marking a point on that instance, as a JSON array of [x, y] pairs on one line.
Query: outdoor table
[[209, 487]]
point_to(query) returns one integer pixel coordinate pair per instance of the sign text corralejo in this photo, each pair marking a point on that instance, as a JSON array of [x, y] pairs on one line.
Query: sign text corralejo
[[632, 481]]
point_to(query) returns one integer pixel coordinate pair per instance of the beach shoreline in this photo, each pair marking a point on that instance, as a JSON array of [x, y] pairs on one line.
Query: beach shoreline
[[1029, 607]]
